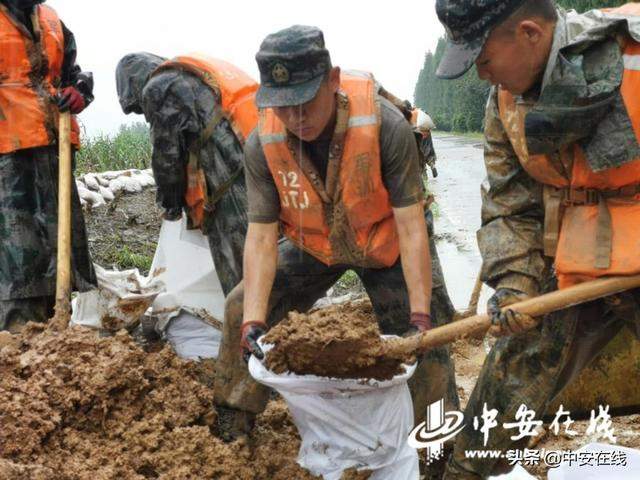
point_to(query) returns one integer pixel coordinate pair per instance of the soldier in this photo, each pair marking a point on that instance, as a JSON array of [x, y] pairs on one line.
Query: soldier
[[38, 78], [200, 110], [563, 164], [422, 125], [335, 166]]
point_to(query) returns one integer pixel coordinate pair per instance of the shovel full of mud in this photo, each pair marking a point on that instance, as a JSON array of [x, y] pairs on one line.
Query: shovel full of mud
[[352, 408]]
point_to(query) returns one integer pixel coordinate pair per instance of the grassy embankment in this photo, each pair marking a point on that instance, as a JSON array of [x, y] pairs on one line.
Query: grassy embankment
[[129, 148]]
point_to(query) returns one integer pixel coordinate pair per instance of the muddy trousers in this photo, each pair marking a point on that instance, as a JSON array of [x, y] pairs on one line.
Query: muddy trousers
[[532, 369], [17, 312], [300, 281]]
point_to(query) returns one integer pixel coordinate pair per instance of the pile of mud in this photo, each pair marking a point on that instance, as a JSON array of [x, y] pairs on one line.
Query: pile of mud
[[342, 341], [74, 406]]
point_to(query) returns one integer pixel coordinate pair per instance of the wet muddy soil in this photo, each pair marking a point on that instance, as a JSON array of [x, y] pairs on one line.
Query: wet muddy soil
[[339, 342]]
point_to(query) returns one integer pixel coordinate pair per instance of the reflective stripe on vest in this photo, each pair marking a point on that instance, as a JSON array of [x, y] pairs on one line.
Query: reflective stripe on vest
[[28, 113], [361, 229], [598, 233], [237, 93]]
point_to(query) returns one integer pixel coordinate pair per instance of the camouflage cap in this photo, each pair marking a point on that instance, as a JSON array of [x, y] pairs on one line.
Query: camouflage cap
[[292, 64], [468, 24]]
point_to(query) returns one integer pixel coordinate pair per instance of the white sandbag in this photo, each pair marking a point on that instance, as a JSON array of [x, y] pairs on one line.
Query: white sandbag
[[92, 198], [518, 473], [101, 180], [91, 182], [578, 470], [131, 185], [192, 338], [349, 423], [106, 194], [112, 174], [120, 301], [192, 283], [144, 179], [116, 185]]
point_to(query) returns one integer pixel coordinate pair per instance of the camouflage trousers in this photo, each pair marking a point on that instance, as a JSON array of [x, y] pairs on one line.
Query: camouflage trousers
[[226, 230], [28, 229], [532, 369], [299, 282], [16, 313]]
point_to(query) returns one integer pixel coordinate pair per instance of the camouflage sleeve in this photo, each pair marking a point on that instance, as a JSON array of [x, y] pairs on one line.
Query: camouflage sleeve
[[71, 73], [170, 102], [510, 238]]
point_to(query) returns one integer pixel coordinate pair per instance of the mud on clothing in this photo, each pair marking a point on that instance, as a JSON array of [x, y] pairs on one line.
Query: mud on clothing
[[300, 281], [28, 209], [398, 154], [178, 106]]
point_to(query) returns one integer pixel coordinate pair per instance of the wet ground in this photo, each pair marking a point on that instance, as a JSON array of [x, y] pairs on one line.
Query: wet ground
[[457, 213], [134, 222]]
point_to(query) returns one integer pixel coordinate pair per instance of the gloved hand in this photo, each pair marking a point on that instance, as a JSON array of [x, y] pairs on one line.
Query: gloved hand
[[249, 334], [420, 322], [71, 99], [507, 321]]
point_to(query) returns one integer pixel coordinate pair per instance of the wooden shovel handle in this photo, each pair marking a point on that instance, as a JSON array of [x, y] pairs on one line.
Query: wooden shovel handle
[[63, 273], [536, 307]]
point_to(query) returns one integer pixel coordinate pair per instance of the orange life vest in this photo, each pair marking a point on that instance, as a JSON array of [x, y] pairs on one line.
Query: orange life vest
[[596, 215], [351, 222], [28, 111], [237, 92]]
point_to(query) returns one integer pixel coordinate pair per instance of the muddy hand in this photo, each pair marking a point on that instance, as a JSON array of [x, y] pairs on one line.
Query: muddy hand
[[250, 333], [420, 322], [505, 321]]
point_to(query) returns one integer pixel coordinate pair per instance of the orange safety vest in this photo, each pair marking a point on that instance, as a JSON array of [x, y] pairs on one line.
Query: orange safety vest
[[362, 230], [28, 112], [237, 93], [592, 219]]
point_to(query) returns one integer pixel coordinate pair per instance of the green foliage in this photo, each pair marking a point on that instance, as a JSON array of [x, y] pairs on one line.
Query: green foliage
[[458, 105], [130, 148], [584, 5], [125, 258], [453, 104]]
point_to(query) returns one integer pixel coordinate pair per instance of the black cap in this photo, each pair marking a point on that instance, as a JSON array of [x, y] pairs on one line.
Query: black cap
[[468, 24], [292, 64]]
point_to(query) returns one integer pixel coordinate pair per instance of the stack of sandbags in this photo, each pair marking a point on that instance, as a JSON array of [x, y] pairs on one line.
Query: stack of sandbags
[[97, 189]]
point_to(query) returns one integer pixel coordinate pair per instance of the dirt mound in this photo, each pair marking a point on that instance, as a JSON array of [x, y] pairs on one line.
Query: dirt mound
[[342, 341], [75, 406]]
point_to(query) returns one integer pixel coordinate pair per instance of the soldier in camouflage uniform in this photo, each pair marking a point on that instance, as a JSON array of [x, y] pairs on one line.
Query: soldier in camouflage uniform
[[179, 106], [565, 71], [295, 68], [29, 176]]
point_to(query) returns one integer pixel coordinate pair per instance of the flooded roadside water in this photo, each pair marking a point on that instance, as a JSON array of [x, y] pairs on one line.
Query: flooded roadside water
[[457, 214]]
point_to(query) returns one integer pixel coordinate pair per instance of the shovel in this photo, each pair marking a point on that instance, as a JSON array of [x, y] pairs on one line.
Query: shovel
[[62, 315], [535, 307]]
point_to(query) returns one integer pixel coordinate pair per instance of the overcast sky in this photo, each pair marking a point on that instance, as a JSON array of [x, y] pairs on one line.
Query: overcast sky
[[386, 38]]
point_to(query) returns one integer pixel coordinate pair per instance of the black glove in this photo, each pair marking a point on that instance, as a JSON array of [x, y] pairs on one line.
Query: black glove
[[249, 335], [171, 198], [172, 214], [507, 321]]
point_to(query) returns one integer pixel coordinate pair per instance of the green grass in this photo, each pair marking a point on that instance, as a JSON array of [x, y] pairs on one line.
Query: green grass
[[125, 259], [129, 148], [348, 280]]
